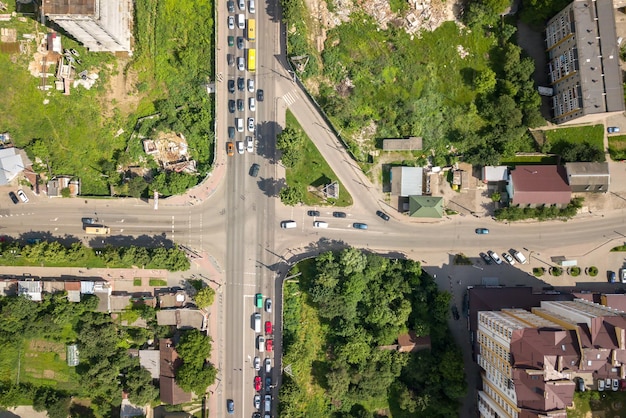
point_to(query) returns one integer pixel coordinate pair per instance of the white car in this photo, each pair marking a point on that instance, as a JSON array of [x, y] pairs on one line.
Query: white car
[[494, 257], [239, 124], [240, 147], [242, 4], [241, 21], [241, 65], [251, 6], [251, 124], [249, 144], [252, 104], [22, 195], [600, 385], [508, 258], [251, 85], [257, 401], [268, 365], [231, 22], [257, 364]]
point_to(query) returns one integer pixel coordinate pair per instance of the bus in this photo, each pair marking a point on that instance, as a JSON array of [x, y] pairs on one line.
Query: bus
[[251, 30], [251, 60], [97, 230]]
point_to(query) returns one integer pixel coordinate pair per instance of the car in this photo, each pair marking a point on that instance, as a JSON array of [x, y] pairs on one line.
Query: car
[[242, 5], [231, 106], [494, 257], [268, 327], [486, 258], [240, 42], [240, 148], [252, 104], [268, 365], [231, 42], [231, 22], [615, 385], [612, 129], [259, 95], [257, 414], [254, 170], [257, 363], [231, 6], [268, 384], [230, 406], [231, 86], [339, 214], [257, 402], [250, 124], [241, 84], [88, 221], [230, 59], [258, 385], [268, 305], [580, 384], [22, 195], [622, 384], [382, 215], [508, 258], [240, 105], [251, 6], [481, 231], [249, 144], [270, 345], [611, 276], [239, 124], [261, 343], [268, 403], [241, 66], [258, 300], [519, 257], [608, 383], [313, 213], [600, 385], [622, 275], [79, 62], [230, 149], [251, 85], [241, 21], [14, 198], [231, 132], [359, 225], [455, 313]]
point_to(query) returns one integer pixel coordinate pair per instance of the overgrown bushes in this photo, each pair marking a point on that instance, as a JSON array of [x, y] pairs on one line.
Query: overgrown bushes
[[542, 213]]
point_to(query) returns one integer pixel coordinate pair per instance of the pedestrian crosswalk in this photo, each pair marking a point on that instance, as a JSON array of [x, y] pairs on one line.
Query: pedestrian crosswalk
[[290, 98]]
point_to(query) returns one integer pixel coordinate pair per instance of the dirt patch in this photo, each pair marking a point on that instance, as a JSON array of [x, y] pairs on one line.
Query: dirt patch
[[49, 374], [46, 346], [122, 90]]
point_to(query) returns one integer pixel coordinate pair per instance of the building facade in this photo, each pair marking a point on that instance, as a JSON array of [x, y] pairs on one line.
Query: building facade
[[583, 62]]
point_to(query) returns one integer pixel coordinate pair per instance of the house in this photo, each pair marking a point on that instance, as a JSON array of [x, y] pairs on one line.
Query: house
[[11, 164], [169, 299], [58, 183], [494, 174], [403, 144], [183, 318], [103, 26], [583, 62], [170, 392], [536, 185], [588, 177], [30, 288], [151, 361], [407, 181], [128, 410], [73, 291], [411, 343], [425, 207]]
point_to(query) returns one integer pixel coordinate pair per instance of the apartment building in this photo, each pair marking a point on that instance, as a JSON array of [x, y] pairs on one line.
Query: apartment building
[[583, 62]]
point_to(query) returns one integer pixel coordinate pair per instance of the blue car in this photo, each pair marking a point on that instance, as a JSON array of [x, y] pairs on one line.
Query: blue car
[[481, 231], [611, 275], [230, 406], [358, 225]]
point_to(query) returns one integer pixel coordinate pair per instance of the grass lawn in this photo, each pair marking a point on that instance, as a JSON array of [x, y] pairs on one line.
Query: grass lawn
[[158, 282], [617, 147], [597, 404], [313, 171], [559, 139], [137, 282]]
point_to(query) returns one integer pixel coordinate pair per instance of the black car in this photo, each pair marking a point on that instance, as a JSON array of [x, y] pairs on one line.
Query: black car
[[382, 215], [455, 313], [231, 86], [240, 42], [231, 60], [339, 214], [268, 384], [14, 198], [231, 106], [88, 221], [230, 406], [241, 84], [313, 213], [486, 258], [240, 105], [231, 132], [259, 95], [231, 6], [254, 170]]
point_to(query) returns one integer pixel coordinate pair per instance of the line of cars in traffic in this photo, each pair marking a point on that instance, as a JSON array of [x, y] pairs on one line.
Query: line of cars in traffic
[[322, 224], [264, 343]]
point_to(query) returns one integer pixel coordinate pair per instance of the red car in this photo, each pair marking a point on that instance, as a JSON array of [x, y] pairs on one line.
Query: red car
[[269, 345], [257, 383], [268, 327]]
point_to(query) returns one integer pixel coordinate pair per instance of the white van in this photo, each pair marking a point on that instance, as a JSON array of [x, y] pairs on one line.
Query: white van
[[252, 9], [241, 21], [520, 257], [288, 224], [261, 343], [257, 322], [268, 403], [239, 123], [320, 224]]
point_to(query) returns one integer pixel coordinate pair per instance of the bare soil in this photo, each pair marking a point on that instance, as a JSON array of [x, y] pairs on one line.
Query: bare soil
[[121, 89]]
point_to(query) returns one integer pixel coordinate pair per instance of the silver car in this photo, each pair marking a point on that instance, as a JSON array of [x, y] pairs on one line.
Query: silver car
[[231, 22]]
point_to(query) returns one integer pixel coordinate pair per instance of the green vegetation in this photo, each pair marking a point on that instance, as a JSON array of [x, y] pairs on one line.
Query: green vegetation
[[619, 248], [594, 403], [592, 271], [529, 159], [205, 297], [574, 271], [196, 374], [53, 254], [539, 271], [345, 306], [137, 282], [462, 260], [556, 271], [617, 147], [542, 213], [157, 282], [305, 168], [584, 143], [537, 12]]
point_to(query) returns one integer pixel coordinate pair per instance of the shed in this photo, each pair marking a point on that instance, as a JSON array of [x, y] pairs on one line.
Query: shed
[[11, 165], [495, 173], [403, 144], [87, 287], [150, 360], [30, 288], [73, 291], [72, 355], [535, 185], [588, 177], [407, 181], [425, 207]]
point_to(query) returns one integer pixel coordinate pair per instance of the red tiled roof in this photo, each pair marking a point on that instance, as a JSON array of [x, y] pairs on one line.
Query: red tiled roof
[[535, 393], [540, 184], [170, 392], [72, 286]]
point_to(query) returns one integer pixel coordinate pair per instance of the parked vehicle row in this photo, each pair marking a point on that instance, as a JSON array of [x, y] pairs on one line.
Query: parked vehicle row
[[22, 197], [511, 257], [263, 343], [613, 277], [607, 384]]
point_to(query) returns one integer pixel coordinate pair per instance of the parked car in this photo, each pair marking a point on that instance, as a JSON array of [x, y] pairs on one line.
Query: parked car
[[268, 365], [268, 305], [231, 86], [231, 22], [268, 327], [14, 198], [240, 42], [622, 275], [241, 84], [257, 401], [250, 124], [508, 258], [494, 257], [259, 95], [22, 196], [230, 59], [252, 104], [612, 129], [611, 276], [455, 313], [359, 225], [481, 231], [231, 41], [600, 385], [240, 105], [313, 213], [268, 385], [519, 257], [241, 66], [240, 147], [615, 386], [231, 6], [230, 146], [339, 214], [580, 384], [251, 85], [486, 258], [270, 345], [230, 406], [231, 106], [257, 363], [257, 383], [254, 170], [382, 214]]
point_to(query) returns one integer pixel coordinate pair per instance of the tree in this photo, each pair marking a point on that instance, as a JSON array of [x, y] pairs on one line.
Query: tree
[[195, 380], [205, 297], [194, 348], [485, 81], [290, 196], [138, 384]]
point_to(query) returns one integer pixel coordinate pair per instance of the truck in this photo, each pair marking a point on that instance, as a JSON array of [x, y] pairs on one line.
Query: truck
[[97, 230]]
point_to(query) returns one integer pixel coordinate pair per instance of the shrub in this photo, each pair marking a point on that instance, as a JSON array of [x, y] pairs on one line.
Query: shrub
[[556, 271], [538, 271], [575, 271], [592, 271]]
